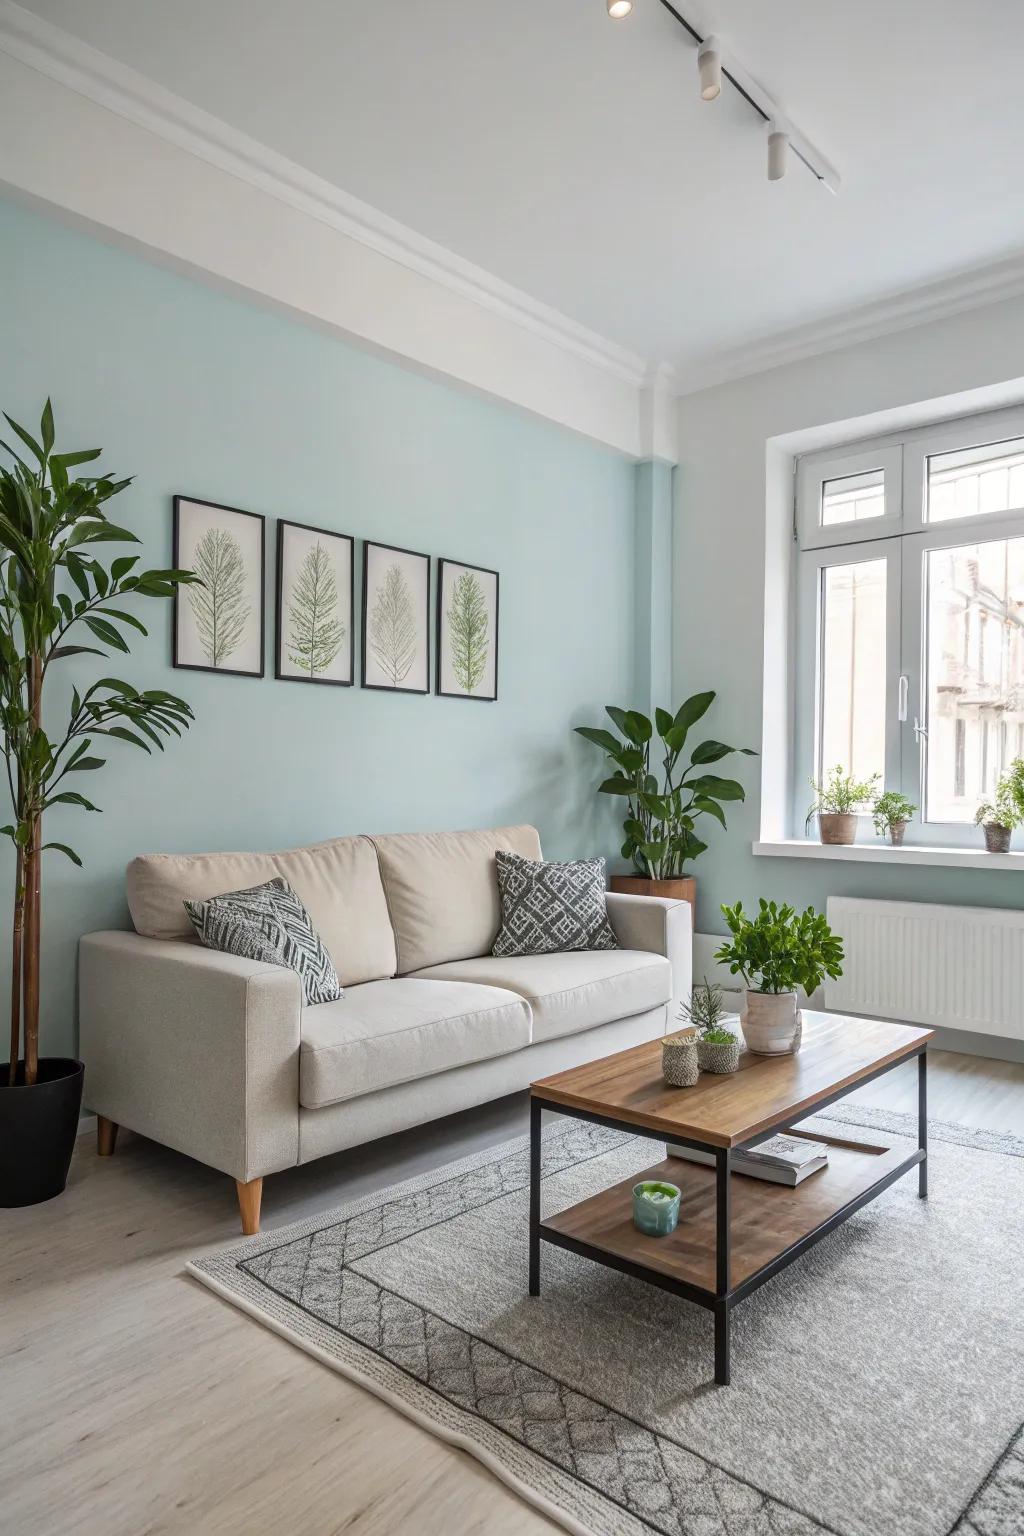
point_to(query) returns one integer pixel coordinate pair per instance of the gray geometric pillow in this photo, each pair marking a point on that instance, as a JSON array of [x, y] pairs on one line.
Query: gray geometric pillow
[[268, 922], [547, 907]]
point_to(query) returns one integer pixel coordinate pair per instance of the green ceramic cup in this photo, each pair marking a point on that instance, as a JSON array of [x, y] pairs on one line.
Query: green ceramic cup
[[656, 1208]]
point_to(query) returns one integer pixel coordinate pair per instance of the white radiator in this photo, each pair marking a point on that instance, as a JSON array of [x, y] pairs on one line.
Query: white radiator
[[962, 967]]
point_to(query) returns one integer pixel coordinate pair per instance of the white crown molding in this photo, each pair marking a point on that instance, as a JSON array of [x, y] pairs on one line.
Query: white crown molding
[[122, 90], [971, 289]]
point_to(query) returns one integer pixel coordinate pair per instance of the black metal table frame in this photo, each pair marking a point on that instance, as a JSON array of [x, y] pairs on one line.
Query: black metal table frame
[[724, 1297]]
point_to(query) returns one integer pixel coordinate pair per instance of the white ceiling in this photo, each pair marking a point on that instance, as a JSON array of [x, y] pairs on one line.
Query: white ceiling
[[571, 155]]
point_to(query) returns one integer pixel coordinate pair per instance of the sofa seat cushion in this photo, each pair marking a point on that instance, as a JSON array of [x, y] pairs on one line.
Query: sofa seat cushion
[[388, 1032], [570, 992]]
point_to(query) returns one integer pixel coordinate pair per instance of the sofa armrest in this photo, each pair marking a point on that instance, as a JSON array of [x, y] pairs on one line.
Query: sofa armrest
[[195, 1049], [663, 927]]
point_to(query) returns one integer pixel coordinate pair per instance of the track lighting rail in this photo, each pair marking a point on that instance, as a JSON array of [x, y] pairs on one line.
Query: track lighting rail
[[820, 168]]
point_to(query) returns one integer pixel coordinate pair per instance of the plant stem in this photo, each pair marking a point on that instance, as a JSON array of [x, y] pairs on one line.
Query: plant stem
[[16, 953], [33, 860]]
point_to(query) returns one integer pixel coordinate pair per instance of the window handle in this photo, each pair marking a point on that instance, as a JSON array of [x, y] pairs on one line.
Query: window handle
[[920, 731], [904, 698]]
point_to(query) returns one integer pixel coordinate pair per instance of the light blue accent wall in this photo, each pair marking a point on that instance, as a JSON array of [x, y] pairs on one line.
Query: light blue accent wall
[[653, 585], [195, 392]]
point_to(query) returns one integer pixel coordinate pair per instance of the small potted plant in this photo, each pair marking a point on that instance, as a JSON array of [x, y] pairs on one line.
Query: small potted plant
[[718, 1049], [999, 817], [835, 804], [776, 952], [890, 814]]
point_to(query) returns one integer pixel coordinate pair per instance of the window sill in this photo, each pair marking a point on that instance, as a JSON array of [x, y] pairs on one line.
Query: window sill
[[866, 853]]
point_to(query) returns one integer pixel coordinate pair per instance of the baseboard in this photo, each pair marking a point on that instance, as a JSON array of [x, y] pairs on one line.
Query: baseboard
[[86, 1125], [967, 1043]]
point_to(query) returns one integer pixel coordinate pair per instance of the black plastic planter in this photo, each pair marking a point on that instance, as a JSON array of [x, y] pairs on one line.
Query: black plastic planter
[[38, 1126]]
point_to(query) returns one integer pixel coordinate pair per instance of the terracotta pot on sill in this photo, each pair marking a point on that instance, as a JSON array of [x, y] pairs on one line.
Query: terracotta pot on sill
[[834, 827], [997, 837], [684, 888]]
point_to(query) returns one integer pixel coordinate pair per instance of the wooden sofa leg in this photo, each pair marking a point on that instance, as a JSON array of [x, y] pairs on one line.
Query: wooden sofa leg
[[249, 1197], [106, 1136]]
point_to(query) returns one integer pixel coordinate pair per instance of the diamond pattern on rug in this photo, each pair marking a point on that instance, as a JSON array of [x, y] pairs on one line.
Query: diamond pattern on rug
[[268, 922], [548, 908], [324, 1252], [671, 1490]]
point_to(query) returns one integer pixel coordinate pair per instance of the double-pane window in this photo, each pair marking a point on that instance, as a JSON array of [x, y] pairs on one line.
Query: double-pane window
[[910, 632]]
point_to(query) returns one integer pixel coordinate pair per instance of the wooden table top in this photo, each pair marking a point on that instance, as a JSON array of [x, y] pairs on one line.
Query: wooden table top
[[724, 1111]]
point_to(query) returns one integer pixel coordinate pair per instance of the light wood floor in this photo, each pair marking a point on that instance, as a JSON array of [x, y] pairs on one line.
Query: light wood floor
[[134, 1402]]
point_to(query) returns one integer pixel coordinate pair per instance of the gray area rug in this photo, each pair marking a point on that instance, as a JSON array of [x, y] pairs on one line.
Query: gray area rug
[[878, 1383]]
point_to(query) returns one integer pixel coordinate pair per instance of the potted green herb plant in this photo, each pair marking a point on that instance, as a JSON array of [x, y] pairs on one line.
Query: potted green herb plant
[[836, 802], [663, 813], [1000, 817], [52, 583], [718, 1049], [890, 814], [775, 952]]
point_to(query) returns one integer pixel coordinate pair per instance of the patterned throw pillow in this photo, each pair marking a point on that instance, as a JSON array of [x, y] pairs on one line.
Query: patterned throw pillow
[[548, 907], [268, 922]]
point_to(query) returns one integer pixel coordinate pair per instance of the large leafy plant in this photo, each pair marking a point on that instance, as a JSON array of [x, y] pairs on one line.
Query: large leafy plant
[[52, 583], [663, 813], [780, 949]]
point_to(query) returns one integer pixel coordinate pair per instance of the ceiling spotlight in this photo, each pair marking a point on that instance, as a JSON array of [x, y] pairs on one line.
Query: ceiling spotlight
[[618, 9], [709, 63], [778, 144]]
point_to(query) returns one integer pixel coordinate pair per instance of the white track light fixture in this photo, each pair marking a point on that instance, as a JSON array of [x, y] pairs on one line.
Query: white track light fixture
[[709, 64], [778, 149], [784, 136]]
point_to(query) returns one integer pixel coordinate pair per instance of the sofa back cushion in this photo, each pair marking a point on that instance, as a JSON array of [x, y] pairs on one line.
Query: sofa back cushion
[[442, 891], [338, 882]]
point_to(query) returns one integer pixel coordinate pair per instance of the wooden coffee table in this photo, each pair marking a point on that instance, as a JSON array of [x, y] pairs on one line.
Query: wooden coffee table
[[734, 1233]]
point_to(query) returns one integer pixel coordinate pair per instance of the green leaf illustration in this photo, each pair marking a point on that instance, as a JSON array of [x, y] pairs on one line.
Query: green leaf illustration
[[468, 626], [393, 631], [220, 606], [315, 631]]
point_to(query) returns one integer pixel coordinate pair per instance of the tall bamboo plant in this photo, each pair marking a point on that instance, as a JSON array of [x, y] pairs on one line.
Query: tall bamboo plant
[[50, 584]]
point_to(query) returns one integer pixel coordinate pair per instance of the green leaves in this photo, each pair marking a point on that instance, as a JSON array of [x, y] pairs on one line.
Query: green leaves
[[600, 738], [780, 949], [659, 827]]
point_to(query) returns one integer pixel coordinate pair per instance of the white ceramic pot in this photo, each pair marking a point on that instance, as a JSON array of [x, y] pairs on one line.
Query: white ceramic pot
[[772, 1023]]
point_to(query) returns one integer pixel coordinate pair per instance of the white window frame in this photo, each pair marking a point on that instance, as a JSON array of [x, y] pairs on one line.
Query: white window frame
[[904, 537]]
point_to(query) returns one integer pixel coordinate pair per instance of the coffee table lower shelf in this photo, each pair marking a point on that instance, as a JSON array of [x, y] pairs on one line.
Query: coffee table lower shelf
[[768, 1226]]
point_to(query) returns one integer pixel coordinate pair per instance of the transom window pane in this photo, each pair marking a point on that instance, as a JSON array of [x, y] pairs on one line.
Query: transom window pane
[[853, 498], [853, 668], [975, 650], [973, 482]]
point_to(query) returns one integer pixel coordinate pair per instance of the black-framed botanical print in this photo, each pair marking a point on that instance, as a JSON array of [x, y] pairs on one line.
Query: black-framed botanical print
[[467, 631], [219, 621], [396, 619], [315, 605]]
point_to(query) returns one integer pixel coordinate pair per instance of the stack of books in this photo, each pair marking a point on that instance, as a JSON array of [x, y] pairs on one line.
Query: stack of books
[[780, 1159]]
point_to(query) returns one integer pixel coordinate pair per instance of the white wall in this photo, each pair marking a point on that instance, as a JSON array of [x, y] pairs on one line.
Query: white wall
[[83, 134], [732, 514]]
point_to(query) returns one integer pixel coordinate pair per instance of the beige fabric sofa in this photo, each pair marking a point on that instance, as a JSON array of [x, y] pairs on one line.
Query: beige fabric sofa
[[218, 1057]]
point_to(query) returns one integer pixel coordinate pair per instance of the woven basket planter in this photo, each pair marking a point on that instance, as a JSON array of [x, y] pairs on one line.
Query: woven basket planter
[[712, 1057], [679, 1065]]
